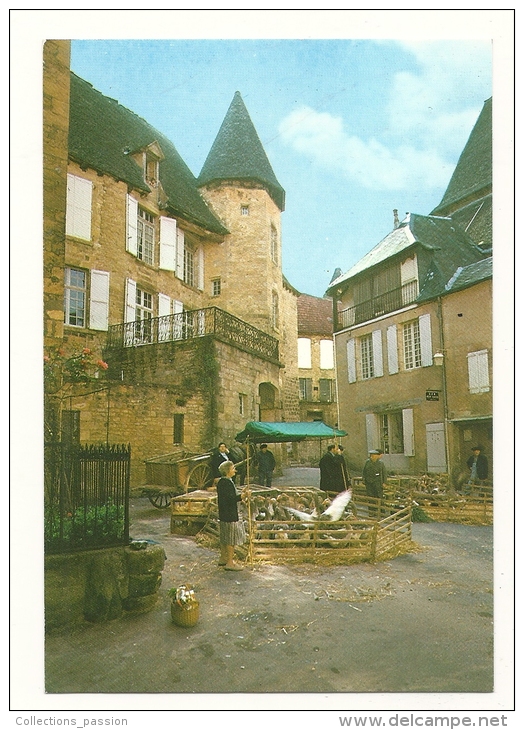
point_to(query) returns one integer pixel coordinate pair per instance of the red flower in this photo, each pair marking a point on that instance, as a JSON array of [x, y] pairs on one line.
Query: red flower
[[86, 351], [47, 358], [102, 364]]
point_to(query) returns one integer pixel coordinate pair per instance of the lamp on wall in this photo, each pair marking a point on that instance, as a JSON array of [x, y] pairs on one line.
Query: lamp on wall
[[438, 359]]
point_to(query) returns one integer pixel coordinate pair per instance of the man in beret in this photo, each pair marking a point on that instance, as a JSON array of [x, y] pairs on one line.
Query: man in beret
[[374, 474]]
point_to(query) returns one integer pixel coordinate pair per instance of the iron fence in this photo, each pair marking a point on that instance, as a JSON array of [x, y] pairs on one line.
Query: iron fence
[[86, 499], [192, 324], [379, 305]]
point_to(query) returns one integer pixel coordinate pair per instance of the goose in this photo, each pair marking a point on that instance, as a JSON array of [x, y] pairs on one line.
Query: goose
[[332, 513]]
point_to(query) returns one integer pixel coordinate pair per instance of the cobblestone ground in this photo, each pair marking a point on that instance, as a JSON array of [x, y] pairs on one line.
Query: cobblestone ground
[[422, 622]]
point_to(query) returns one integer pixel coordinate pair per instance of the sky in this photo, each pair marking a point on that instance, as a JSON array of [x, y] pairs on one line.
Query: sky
[[353, 128]]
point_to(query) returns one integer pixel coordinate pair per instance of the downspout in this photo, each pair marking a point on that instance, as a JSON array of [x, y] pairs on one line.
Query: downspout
[[444, 387]]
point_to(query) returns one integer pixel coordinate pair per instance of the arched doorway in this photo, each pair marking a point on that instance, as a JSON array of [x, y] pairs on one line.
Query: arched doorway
[[269, 408]]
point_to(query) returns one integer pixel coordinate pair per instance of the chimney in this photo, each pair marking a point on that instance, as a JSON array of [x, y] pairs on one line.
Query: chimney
[[395, 218]]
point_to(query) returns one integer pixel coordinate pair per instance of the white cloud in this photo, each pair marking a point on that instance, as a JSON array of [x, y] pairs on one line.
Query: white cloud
[[434, 109], [370, 163]]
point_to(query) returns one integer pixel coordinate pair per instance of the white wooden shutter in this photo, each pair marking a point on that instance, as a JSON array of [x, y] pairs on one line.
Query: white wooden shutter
[[392, 349], [164, 325], [478, 371], [177, 308], [372, 435], [99, 300], [78, 207], [200, 271], [131, 227], [304, 352], [407, 427], [426, 348], [130, 300], [327, 355], [168, 229], [129, 313], [352, 366], [378, 366], [408, 270], [180, 253]]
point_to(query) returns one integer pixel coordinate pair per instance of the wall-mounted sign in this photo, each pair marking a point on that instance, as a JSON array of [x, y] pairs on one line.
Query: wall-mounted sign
[[432, 395]]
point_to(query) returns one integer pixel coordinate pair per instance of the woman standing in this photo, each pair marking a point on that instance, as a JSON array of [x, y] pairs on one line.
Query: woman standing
[[231, 528]]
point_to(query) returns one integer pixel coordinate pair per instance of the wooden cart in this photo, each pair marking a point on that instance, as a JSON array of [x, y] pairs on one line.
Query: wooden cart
[[176, 473]]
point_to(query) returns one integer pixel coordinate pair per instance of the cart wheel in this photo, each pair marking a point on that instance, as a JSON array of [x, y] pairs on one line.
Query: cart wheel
[[160, 501], [199, 477]]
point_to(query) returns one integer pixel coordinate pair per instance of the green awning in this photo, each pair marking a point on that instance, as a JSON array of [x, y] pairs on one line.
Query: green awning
[[260, 431]]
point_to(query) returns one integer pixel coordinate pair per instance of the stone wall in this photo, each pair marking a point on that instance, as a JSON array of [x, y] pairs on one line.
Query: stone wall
[[101, 585]]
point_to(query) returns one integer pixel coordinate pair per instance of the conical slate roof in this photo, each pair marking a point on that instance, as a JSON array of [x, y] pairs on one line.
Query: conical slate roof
[[237, 154], [473, 172]]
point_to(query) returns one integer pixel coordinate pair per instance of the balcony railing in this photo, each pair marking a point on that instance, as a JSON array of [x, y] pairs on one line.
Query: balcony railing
[[379, 305], [190, 325]]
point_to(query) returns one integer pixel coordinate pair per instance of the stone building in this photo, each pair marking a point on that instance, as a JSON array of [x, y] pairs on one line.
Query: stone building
[[175, 282], [413, 342], [316, 369]]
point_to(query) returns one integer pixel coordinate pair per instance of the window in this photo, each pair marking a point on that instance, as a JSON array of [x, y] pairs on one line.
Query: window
[[478, 371], [143, 315], [241, 404], [216, 287], [366, 357], [274, 244], [326, 355], [75, 297], [189, 265], [145, 236], [304, 352], [178, 428], [78, 207], [244, 210], [274, 310], [326, 390], [412, 350], [391, 433], [305, 387]]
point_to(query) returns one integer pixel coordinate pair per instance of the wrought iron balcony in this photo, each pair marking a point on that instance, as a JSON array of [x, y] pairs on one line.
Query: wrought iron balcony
[[382, 304], [190, 325]]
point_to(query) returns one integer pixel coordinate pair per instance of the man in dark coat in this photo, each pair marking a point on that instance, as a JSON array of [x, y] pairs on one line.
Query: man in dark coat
[[345, 480], [330, 473], [374, 475], [478, 465], [266, 466], [219, 456]]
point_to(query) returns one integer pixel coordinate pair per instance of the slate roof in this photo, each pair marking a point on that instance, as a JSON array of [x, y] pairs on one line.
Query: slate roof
[[473, 172], [469, 275], [237, 154], [450, 245], [315, 316], [102, 136]]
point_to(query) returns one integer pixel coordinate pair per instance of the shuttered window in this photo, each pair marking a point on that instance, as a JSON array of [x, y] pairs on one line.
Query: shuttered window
[[99, 301], [304, 352], [326, 355], [366, 357], [351, 360]]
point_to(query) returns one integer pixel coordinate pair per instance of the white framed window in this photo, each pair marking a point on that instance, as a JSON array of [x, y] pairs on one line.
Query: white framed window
[[145, 236], [478, 371], [216, 287], [326, 355], [242, 398], [244, 210], [392, 432], [412, 351], [366, 357], [77, 284], [75, 296], [304, 353], [189, 265], [78, 207]]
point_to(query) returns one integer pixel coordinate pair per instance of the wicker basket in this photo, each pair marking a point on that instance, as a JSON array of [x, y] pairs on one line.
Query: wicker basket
[[185, 615]]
